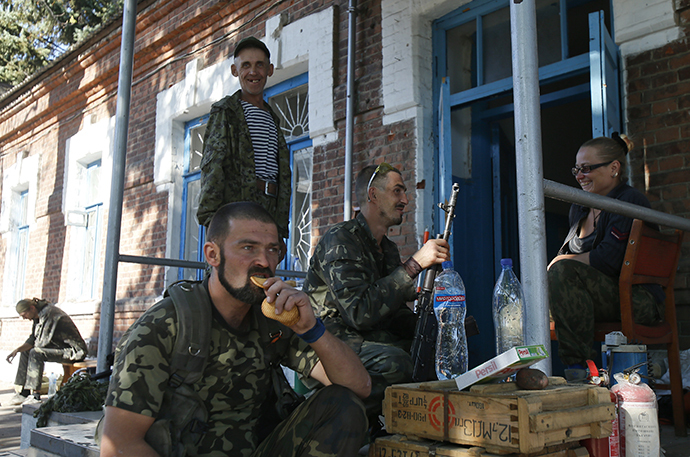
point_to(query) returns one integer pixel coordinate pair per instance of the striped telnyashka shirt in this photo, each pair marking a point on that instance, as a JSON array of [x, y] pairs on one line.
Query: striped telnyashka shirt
[[264, 139]]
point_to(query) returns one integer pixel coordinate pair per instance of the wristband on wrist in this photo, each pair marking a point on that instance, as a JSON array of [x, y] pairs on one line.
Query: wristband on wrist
[[315, 333], [412, 267]]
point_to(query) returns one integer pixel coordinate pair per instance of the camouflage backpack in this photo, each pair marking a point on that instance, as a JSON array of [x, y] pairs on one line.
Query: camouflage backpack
[[181, 422]]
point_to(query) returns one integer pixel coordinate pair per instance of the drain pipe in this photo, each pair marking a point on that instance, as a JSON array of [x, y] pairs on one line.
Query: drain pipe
[[350, 109], [112, 243], [528, 160]]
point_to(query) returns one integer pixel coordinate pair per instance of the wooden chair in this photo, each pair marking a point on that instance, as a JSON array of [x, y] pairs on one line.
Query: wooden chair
[[72, 367], [651, 257]]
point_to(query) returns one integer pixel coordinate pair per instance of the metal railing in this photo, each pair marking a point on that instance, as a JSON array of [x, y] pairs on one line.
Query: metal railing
[[163, 261], [572, 195]]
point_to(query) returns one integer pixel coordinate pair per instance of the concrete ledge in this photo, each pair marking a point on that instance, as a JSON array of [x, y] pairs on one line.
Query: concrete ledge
[[64, 441], [67, 434], [55, 419]]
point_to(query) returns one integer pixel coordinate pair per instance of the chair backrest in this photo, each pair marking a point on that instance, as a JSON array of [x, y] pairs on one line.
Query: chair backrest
[[651, 256]]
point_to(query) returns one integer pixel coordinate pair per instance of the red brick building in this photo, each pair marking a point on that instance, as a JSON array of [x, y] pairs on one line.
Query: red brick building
[[57, 133]]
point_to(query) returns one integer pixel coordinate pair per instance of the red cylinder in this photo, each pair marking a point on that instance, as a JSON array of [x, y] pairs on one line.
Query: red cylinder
[[637, 416]]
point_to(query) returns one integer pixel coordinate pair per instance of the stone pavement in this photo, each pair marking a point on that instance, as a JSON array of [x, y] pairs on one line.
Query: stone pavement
[[10, 423]]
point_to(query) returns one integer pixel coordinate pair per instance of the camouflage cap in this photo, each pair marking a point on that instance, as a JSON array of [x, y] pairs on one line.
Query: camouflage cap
[[24, 305], [251, 42]]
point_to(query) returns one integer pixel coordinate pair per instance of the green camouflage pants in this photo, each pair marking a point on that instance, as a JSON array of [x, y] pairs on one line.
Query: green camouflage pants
[[332, 422], [31, 362], [387, 364], [579, 296]]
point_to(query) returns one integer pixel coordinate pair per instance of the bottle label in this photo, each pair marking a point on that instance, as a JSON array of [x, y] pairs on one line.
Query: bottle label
[[450, 298]]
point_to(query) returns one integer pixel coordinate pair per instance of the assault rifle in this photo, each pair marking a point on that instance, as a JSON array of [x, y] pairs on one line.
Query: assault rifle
[[424, 343]]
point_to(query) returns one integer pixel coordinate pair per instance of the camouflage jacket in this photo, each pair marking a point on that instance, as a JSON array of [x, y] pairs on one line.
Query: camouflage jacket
[[233, 386], [359, 292], [227, 167], [55, 329]]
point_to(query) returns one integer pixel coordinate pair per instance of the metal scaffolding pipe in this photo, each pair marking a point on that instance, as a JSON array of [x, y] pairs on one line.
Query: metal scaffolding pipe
[[350, 109], [532, 233], [179, 263], [112, 244], [573, 195]]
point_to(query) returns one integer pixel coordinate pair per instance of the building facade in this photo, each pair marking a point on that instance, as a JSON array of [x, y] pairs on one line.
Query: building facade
[[418, 66]]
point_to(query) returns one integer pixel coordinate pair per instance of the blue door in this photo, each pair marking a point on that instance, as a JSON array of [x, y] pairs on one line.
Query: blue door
[[579, 100]]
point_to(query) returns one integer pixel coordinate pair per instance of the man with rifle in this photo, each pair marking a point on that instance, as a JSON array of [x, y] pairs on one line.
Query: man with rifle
[[361, 288]]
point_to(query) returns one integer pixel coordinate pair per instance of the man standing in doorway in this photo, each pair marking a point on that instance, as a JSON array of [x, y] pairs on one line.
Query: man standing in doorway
[[245, 154]]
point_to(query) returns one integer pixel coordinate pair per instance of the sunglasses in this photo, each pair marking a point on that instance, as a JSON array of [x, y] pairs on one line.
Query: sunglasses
[[586, 169], [382, 168]]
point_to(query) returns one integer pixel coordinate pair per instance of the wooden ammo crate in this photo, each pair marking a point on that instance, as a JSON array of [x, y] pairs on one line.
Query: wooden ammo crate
[[498, 417], [400, 446]]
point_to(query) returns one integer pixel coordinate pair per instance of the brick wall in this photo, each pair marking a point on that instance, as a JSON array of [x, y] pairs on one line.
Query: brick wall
[[82, 88], [658, 102], [373, 142]]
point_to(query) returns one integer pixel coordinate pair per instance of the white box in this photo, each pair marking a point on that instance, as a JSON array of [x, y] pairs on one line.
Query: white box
[[503, 365]]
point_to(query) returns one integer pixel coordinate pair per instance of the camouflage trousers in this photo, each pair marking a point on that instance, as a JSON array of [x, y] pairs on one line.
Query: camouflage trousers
[[387, 364], [579, 296], [31, 362], [332, 422]]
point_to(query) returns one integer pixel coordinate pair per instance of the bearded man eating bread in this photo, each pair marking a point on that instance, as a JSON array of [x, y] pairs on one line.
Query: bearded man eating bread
[[242, 243]]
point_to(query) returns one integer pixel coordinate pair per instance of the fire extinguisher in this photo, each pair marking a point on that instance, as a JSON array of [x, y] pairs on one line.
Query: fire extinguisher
[[637, 417]]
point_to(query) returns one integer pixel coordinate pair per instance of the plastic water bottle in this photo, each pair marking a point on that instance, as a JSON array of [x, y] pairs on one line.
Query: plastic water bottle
[[450, 309], [508, 309], [52, 383], [297, 266]]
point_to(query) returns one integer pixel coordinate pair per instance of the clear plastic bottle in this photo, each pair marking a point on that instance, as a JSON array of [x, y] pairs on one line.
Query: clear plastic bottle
[[508, 309], [450, 309], [52, 383]]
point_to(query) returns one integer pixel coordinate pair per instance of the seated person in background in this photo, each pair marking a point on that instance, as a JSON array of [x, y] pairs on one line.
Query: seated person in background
[[54, 338], [583, 278], [360, 286], [242, 242]]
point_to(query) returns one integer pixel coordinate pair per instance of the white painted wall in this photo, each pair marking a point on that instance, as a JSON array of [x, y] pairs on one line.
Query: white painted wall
[[642, 25]]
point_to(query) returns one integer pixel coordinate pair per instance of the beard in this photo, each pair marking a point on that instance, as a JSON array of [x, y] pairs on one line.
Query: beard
[[249, 293], [391, 218]]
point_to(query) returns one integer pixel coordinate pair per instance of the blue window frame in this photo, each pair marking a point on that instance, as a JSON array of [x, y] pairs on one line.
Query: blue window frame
[[21, 245], [289, 100], [192, 234]]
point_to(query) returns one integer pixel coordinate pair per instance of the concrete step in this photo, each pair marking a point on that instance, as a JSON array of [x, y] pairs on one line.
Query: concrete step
[[74, 440], [29, 421], [67, 434], [15, 453]]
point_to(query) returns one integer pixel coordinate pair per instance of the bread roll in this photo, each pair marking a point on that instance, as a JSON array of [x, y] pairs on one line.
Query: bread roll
[[287, 318]]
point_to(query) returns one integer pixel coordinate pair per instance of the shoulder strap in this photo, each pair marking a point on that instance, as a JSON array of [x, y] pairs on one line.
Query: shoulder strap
[[273, 337], [193, 309]]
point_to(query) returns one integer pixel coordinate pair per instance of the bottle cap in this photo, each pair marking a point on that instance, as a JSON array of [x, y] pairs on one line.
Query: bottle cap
[[506, 262], [448, 264]]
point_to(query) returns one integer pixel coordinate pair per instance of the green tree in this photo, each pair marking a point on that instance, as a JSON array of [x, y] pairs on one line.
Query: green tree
[[34, 32]]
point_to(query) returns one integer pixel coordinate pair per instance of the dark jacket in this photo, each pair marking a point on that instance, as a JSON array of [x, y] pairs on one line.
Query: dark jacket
[[612, 233]]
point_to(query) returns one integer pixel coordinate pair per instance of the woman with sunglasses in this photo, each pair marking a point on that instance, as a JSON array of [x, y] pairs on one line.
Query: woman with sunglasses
[[583, 277]]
